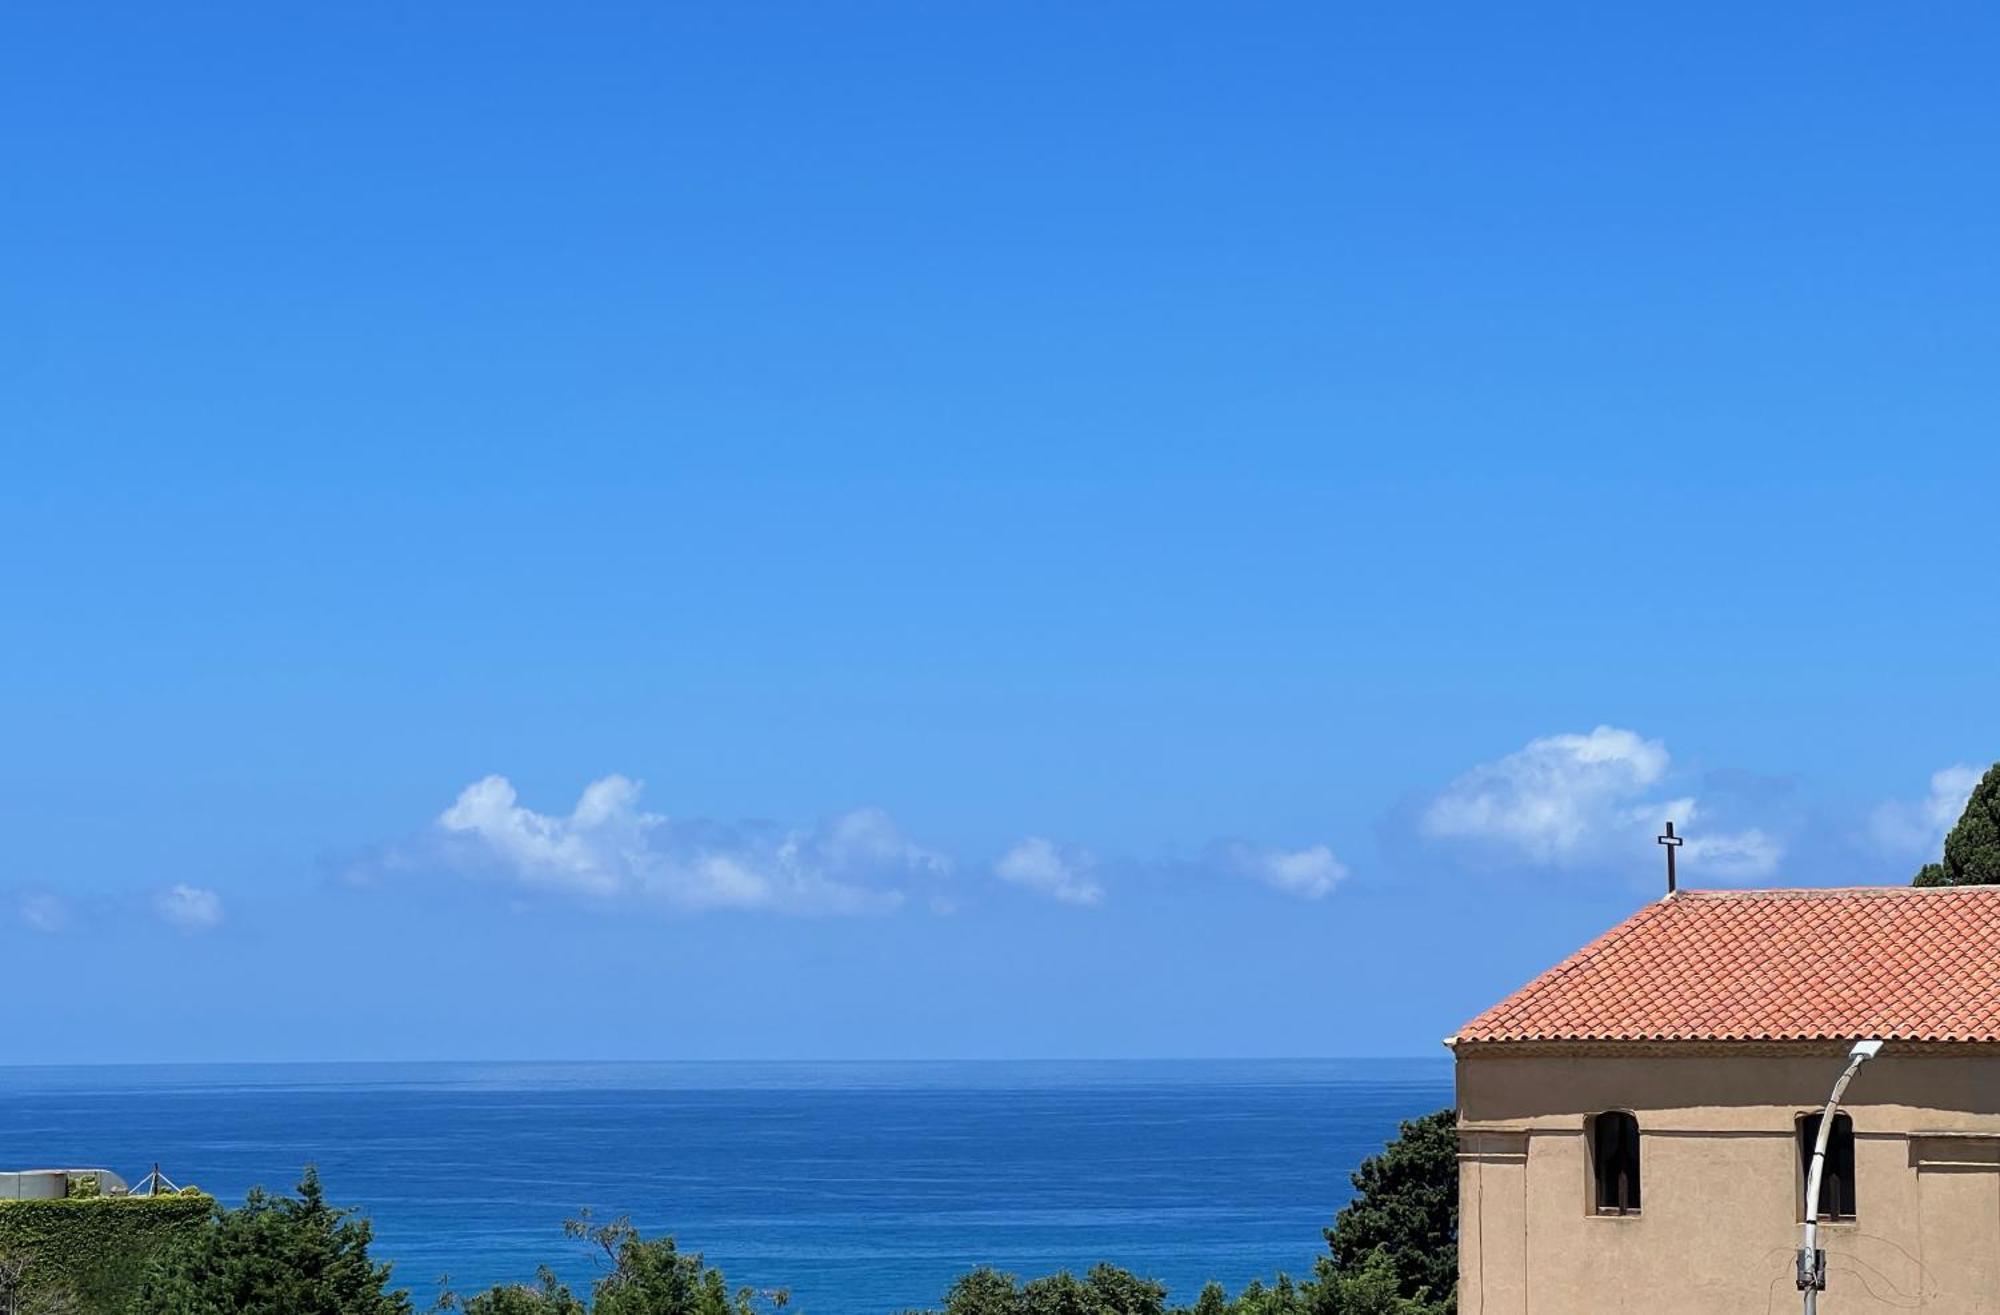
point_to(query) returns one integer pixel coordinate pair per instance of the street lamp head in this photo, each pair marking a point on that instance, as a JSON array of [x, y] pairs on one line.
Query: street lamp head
[[1866, 1049]]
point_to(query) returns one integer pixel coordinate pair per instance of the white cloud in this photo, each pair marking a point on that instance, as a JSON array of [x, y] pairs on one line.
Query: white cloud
[[43, 912], [1576, 801], [1062, 872], [590, 852], [1916, 830], [1552, 800], [609, 848], [1310, 873], [188, 908]]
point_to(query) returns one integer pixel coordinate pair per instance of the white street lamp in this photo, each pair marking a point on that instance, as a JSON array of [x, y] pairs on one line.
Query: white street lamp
[[1812, 1261]]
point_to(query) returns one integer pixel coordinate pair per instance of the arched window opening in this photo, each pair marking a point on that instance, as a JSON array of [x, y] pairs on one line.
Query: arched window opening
[[1836, 1186], [1614, 1162]]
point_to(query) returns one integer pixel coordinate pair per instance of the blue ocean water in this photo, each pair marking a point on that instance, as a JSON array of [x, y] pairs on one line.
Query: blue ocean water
[[861, 1187]]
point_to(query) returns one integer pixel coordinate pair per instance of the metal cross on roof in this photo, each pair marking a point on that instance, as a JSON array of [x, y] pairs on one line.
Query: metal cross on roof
[[1672, 842]]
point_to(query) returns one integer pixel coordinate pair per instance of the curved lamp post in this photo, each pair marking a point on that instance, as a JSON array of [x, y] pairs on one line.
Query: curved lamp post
[[1812, 1261]]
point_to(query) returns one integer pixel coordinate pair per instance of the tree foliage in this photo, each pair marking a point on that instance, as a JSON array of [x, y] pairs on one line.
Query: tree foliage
[[545, 1296], [275, 1255], [1406, 1207], [1370, 1288], [1105, 1290], [1972, 850], [641, 1276]]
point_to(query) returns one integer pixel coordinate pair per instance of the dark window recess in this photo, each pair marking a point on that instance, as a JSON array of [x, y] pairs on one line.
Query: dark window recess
[[1836, 1186], [1614, 1162]]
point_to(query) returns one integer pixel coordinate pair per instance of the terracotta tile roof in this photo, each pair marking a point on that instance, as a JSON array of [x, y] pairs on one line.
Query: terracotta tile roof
[[1774, 965]]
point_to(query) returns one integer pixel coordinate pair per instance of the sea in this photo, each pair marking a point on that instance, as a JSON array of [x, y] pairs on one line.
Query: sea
[[861, 1188]]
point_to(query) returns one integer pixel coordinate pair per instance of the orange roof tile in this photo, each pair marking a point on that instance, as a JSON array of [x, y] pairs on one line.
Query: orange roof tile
[[1893, 962]]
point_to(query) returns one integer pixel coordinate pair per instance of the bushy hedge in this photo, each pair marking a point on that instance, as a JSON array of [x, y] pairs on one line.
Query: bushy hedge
[[96, 1247]]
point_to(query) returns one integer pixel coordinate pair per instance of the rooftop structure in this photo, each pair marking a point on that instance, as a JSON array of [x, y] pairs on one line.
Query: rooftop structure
[[1901, 963]]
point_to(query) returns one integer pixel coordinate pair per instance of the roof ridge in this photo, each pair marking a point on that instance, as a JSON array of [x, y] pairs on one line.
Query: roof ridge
[[1822, 892]]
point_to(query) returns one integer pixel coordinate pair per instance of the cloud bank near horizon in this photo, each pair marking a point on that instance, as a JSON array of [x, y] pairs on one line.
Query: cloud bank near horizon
[[1564, 805], [609, 849], [1567, 806]]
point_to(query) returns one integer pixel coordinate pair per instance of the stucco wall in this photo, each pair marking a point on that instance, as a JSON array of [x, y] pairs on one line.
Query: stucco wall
[[1719, 1156]]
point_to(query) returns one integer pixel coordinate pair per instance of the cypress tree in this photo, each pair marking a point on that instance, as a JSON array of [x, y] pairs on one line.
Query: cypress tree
[[1972, 850]]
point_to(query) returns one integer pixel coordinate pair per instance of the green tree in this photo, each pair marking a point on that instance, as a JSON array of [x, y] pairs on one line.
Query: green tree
[[1373, 1287], [641, 1276], [1406, 1209], [545, 1296], [650, 1276], [1214, 1300], [1972, 850], [274, 1255], [983, 1291], [1105, 1290], [1282, 1297]]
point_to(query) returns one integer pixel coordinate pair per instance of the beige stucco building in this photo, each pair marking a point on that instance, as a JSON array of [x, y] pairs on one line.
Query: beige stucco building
[[1631, 1122]]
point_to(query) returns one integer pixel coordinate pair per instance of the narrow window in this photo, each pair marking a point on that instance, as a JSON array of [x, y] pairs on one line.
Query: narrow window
[[1614, 1162], [1836, 1186]]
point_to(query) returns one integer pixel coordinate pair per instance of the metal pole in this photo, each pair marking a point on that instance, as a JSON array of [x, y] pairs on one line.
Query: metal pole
[[1812, 1268]]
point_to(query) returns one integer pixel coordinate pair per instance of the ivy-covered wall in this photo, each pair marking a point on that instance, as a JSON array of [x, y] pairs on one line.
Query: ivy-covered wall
[[96, 1247]]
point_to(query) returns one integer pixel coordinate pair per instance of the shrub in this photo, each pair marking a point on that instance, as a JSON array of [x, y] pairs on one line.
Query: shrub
[[94, 1249]]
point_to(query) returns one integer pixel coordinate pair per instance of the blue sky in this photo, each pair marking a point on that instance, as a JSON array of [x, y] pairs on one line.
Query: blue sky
[[964, 530]]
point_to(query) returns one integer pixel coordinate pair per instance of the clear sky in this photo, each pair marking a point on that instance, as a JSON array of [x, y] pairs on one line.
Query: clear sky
[[962, 530]]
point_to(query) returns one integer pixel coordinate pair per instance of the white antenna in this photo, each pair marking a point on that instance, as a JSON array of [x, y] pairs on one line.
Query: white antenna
[[155, 1184]]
